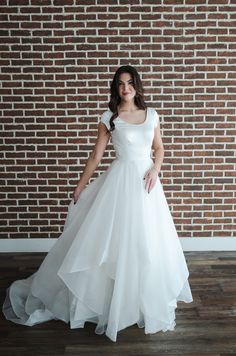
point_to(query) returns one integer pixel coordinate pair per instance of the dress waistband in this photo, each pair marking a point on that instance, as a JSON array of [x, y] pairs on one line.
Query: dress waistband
[[130, 158]]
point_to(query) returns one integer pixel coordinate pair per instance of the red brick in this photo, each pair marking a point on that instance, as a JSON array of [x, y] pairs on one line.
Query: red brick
[[55, 85]]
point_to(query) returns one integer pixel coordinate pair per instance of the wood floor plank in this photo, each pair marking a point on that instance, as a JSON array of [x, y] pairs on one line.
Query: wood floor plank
[[205, 327]]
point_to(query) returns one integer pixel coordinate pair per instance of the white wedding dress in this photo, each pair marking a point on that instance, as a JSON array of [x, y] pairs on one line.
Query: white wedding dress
[[119, 260]]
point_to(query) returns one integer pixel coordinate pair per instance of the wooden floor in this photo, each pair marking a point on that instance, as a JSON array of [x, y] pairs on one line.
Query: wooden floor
[[205, 327]]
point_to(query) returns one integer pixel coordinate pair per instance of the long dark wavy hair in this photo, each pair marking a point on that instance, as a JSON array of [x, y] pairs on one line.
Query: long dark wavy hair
[[115, 98]]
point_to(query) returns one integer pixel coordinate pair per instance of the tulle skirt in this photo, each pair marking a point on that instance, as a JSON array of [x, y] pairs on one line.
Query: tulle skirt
[[118, 261]]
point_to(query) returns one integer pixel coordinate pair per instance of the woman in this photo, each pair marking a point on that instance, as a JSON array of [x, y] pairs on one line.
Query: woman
[[118, 261]]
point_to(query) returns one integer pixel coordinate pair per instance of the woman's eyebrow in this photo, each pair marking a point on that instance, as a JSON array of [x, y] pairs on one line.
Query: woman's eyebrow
[[126, 80]]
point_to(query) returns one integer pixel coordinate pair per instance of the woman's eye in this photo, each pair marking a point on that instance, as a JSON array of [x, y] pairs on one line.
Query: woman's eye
[[129, 83]]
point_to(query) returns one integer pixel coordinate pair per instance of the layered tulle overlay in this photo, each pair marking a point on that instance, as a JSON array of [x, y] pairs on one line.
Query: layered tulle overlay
[[118, 261]]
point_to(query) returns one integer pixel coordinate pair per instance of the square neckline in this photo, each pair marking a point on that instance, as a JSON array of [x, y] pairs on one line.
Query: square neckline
[[128, 123]]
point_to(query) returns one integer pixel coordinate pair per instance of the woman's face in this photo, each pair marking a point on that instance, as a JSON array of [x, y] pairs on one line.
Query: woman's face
[[126, 87]]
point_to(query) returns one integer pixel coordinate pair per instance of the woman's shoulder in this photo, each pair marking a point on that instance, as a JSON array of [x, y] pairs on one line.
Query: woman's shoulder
[[155, 116], [107, 113], [152, 110], [105, 117]]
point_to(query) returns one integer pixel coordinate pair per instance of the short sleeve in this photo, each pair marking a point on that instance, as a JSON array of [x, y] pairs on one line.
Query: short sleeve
[[105, 118], [156, 118]]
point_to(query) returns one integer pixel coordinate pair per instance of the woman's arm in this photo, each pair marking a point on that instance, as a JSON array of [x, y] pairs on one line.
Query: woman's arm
[[157, 144], [103, 136], [152, 173]]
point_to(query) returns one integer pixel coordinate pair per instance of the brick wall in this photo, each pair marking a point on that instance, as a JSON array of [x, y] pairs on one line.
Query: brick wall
[[57, 61]]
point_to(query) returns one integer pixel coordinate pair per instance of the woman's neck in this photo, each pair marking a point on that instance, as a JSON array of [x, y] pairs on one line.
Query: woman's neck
[[127, 107]]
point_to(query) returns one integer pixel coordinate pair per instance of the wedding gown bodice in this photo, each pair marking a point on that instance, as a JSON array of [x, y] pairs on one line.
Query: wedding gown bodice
[[132, 141]]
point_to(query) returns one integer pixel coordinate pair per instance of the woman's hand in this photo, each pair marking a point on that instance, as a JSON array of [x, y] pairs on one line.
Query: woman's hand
[[76, 194], [151, 178]]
